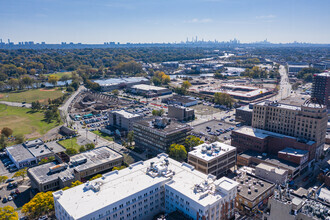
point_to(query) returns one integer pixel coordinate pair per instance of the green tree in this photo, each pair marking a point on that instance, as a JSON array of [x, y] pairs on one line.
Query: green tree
[[40, 204], [3, 143], [8, 213], [82, 149], [7, 131], [71, 151], [130, 137], [159, 112], [186, 85], [223, 99], [36, 105], [13, 83], [192, 141], [19, 138], [21, 173], [115, 92], [3, 179], [178, 152], [90, 146], [76, 183], [53, 79]]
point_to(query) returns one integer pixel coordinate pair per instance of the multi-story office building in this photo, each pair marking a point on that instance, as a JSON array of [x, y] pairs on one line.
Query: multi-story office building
[[307, 122], [157, 134], [252, 192], [147, 188], [53, 176], [123, 119], [216, 158], [244, 114], [181, 113], [321, 88]]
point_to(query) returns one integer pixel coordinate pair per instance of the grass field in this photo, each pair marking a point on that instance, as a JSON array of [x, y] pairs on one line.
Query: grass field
[[60, 74], [103, 135], [31, 95], [70, 143], [23, 121]]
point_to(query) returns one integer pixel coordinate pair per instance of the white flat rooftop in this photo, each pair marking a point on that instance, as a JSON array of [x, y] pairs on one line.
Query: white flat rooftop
[[126, 114], [147, 87], [118, 185], [208, 152], [271, 168]]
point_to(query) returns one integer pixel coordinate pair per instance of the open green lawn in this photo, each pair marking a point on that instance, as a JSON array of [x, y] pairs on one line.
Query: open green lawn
[[31, 95], [60, 74], [24, 121], [105, 136], [70, 143]]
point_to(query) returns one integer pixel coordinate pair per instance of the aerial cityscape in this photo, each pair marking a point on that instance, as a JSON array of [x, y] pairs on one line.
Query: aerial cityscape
[[146, 110]]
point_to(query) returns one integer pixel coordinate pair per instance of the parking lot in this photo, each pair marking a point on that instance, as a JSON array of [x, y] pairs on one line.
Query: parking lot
[[216, 128], [15, 196]]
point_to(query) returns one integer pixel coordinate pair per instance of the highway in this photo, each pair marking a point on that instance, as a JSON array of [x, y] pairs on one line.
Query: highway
[[285, 86]]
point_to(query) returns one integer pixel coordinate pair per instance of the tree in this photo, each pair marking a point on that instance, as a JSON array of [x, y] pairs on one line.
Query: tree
[[8, 213], [7, 131], [178, 152], [40, 204], [82, 149], [27, 81], [115, 92], [95, 177], [3, 143], [90, 146], [159, 112], [71, 151], [53, 79], [128, 159], [13, 83], [223, 99], [3, 179], [118, 168], [166, 79], [19, 138], [130, 137], [192, 141], [21, 173], [36, 105], [186, 85], [76, 183]]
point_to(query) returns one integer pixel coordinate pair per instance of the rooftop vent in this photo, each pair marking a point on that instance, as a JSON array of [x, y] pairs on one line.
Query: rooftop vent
[[256, 189], [249, 191]]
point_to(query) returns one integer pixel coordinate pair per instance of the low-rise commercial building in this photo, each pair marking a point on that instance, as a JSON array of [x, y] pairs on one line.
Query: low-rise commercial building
[[185, 101], [149, 90], [147, 188], [31, 152], [216, 158], [295, 67], [157, 134], [181, 113], [53, 176], [273, 174], [294, 155], [252, 192], [123, 119], [253, 158]]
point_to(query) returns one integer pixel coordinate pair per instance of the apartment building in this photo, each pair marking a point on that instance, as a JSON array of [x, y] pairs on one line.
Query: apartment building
[[306, 122], [157, 134], [54, 176], [123, 119], [216, 158], [147, 188], [321, 88], [181, 113]]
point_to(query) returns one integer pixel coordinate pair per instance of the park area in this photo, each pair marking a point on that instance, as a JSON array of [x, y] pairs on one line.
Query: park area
[[24, 121], [70, 143], [31, 95], [103, 135]]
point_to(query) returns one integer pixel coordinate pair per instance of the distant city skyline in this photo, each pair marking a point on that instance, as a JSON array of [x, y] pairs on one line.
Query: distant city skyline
[[155, 21]]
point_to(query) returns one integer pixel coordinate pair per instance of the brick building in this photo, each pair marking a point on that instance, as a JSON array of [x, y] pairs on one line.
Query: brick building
[[321, 88]]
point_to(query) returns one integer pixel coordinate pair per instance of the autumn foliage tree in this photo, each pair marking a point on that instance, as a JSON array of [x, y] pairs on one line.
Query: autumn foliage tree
[[40, 204], [8, 213], [178, 152], [7, 131]]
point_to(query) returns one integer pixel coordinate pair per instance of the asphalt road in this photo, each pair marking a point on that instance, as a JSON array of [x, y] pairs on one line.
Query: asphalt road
[[285, 86], [16, 104]]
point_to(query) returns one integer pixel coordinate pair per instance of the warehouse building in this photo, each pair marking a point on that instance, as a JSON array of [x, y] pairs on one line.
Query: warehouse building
[[149, 91], [120, 83]]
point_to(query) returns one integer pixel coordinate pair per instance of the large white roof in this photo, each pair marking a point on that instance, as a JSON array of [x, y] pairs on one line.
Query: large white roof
[[209, 152], [117, 185]]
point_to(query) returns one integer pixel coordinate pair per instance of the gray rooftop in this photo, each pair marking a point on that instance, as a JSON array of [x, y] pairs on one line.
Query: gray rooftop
[[19, 153], [39, 151]]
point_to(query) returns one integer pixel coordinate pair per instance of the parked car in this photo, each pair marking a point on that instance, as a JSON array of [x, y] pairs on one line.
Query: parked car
[[10, 198], [9, 180], [4, 200]]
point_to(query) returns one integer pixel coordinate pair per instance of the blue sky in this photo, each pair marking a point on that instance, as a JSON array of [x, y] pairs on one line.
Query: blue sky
[[98, 21]]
